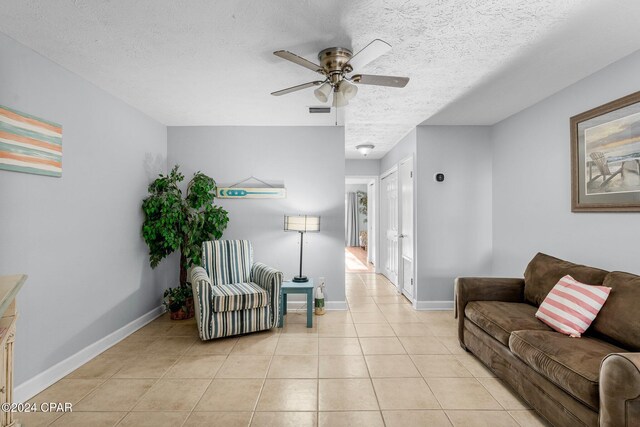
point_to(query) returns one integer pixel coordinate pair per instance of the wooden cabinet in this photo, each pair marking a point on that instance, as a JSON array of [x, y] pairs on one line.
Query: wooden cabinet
[[9, 287]]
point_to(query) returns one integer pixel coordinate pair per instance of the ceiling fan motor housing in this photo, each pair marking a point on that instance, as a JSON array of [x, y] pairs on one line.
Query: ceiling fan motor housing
[[334, 62]]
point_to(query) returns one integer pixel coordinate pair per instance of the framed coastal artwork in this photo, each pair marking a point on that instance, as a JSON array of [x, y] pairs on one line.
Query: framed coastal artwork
[[29, 144], [605, 157]]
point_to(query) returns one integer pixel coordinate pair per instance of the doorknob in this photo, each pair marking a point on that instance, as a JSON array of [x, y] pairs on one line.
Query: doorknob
[[400, 236]]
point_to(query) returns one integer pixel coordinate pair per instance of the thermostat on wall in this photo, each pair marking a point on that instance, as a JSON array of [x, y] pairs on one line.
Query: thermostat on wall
[[439, 177]]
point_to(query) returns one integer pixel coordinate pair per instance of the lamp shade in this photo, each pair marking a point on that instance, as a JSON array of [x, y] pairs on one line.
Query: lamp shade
[[322, 93], [302, 223], [339, 100], [348, 90]]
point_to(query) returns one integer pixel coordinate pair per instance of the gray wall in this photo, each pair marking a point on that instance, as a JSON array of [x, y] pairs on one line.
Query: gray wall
[[77, 237], [454, 216], [532, 183], [362, 167], [309, 161], [404, 148]]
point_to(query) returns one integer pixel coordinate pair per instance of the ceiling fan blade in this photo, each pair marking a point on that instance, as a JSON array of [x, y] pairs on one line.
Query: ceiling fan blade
[[391, 81], [296, 88], [285, 54], [372, 51]]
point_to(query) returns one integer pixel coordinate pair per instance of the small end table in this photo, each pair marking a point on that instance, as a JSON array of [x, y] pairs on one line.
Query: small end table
[[290, 287]]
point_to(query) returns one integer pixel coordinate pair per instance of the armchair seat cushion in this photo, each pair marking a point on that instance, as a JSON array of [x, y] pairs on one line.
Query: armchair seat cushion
[[499, 319], [238, 296], [573, 364]]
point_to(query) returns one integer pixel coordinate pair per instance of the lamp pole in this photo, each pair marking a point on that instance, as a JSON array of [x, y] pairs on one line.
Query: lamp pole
[[300, 277]]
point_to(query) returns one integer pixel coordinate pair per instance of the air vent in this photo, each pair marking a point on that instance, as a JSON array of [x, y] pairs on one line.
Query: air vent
[[319, 110]]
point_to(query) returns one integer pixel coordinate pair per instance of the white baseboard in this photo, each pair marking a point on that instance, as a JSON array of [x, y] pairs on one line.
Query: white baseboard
[[328, 305], [433, 305], [336, 305], [35, 385]]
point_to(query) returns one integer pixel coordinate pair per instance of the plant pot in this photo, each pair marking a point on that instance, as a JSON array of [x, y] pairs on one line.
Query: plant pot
[[181, 314]]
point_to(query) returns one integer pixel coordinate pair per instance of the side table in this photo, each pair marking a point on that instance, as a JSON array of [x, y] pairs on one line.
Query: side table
[[289, 287]]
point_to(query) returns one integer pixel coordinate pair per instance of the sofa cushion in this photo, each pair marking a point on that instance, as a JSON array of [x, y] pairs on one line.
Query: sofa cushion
[[544, 271], [619, 319], [238, 296], [573, 364], [499, 319], [571, 306]]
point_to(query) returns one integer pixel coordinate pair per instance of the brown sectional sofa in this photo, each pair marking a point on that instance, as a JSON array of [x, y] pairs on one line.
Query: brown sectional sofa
[[588, 381]]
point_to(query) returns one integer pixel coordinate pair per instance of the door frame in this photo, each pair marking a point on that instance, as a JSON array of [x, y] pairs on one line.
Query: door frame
[[383, 250], [376, 216], [383, 220], [412, 298]]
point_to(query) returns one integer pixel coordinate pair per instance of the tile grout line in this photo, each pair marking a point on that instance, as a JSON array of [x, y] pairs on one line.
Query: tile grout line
[[264, 382]]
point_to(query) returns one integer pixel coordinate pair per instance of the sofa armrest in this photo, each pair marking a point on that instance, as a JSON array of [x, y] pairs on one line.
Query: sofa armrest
[[270, 280], [620, 390], [469, 289]]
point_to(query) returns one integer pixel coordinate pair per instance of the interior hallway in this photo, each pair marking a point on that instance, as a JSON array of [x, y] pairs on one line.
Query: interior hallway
[[356, 260]]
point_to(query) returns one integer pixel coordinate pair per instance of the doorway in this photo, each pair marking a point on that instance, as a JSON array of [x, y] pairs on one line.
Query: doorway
[[360, 224], [397, 226], [405, 180]]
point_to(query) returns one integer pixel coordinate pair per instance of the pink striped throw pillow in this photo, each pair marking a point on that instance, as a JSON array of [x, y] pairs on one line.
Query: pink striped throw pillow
[[571, 306]]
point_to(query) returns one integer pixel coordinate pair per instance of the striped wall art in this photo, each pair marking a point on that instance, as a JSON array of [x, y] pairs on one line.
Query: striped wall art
[[29, 144]]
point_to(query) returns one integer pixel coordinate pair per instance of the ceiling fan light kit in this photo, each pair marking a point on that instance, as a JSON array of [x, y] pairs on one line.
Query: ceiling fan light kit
[[365, 149], [336, 63], [323, 91]]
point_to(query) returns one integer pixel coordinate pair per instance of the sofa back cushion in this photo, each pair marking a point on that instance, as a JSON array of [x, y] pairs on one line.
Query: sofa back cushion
[[544, 271], [619, 319]]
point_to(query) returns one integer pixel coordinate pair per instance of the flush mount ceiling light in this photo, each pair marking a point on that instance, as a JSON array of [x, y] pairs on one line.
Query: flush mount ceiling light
[[336, 66], [365, 149]]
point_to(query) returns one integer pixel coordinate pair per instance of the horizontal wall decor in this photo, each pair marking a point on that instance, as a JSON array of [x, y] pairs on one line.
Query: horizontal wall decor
[[29, 144], [264, 191], [605, 157], [251, 193]]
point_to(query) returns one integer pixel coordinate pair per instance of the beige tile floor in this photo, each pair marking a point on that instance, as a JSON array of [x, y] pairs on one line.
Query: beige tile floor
[[380, 363]]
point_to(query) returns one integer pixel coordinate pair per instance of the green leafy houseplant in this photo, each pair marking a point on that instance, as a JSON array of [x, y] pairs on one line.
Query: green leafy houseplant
[[173, 223]]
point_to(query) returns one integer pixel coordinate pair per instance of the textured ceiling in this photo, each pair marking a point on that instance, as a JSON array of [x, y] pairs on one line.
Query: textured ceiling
[[211, 63]]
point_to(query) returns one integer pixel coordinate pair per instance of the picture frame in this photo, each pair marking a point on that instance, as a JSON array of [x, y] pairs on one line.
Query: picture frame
[[605, 157]]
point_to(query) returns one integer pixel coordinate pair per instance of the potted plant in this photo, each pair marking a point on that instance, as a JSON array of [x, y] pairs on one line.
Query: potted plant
[[173, 222]]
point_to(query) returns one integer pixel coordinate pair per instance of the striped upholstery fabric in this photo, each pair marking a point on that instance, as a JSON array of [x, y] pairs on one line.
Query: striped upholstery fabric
[[270, 280], [238, 296], [227, 261], [571, 306], [213, 324]]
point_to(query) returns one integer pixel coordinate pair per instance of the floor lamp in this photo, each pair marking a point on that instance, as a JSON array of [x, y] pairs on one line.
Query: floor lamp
[[302, 224]]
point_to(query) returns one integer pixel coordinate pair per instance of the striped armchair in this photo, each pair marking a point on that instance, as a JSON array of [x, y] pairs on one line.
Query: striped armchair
[[232, 294]]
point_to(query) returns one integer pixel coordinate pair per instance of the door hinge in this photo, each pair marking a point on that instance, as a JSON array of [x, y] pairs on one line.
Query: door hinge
[[412, 282], [411, 174]]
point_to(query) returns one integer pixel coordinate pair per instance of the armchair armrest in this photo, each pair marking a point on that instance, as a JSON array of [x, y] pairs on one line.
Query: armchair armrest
[[200, 284], [620, 390], [469, 289], [197, 274], [270, 280]]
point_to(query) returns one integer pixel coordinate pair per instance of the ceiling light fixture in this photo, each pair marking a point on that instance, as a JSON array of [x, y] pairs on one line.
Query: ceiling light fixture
[[339, 100], [349, 90], [322, 93], [365, 149]]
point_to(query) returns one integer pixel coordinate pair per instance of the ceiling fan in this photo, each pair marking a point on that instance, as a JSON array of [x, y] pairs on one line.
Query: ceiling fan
[[336, 65]]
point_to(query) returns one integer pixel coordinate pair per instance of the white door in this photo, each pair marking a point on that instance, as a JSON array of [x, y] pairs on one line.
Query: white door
[[390, 191], [405, 171]]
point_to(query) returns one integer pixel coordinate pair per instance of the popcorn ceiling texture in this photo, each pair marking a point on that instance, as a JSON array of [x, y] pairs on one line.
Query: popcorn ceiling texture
[[211, 63]]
